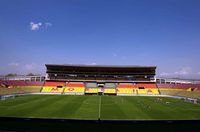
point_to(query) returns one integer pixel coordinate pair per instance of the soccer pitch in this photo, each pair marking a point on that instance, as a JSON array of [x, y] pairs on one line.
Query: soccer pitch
[[103, 107]]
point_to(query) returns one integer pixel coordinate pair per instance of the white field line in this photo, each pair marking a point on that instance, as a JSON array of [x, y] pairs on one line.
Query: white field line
[[99, 108]]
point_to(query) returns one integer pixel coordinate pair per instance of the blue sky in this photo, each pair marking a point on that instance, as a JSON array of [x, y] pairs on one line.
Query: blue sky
[[164, 33]]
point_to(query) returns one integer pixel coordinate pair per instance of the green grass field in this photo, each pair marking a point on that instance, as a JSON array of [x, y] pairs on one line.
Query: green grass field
[[93, 107]]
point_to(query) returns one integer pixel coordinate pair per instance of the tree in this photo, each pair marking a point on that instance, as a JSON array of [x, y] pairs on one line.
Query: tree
[[30, 74], [11, 75]]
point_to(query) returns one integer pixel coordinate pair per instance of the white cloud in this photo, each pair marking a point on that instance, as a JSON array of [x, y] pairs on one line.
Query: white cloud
[[22, 69], [184, 71], [30, 67], [48, 24], [35, 26], [93, 63], [164, 74], [13, 64]]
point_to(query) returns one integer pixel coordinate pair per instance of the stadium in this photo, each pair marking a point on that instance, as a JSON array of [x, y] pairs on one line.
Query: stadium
[[99, 65], [99, 95]]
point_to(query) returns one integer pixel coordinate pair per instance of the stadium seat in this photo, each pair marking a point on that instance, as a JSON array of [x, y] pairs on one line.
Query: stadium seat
[[92, 90], [53, 87], [109, 90], [126, 88], [147, 88], [185, 90], [74, 88], [141, 91], [19, 86]]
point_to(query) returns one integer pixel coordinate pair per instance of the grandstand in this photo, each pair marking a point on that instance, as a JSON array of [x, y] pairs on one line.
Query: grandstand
[[53, 87], [100, 80], [184, 90], [20, 84], [74, 88]]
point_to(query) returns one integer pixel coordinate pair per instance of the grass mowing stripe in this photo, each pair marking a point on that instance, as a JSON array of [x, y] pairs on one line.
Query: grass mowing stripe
[[27, 109], [130, 108], [24, 102], [88, 108], [18, 100], [111, 111], [149, 109], [71, 109], [155, 110], [48, 109], [94, 107], [134, 108]]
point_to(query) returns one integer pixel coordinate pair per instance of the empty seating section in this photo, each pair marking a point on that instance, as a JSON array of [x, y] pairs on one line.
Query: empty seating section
[[109, 88], [110, 85], [165, 85], [152, 91], [148, 91], [19, 83], [91, 85], [34, 84], [110, 91], [75, 88], [126, 85], [126, 88], [4, 91], [13, 83], [178, 92], [196, 87], [126, 91], [141, 91], [137, 88], [81, 88], [147, 88], [2, 85], [54, 83], [92, 90], [53, 87], [186, 90], [146, 85], [180, 86], [19, 86]]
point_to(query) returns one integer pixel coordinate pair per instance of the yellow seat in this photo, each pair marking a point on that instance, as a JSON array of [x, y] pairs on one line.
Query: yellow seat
[[74, 90], [148, 91], [152, 91], [142, 91], [110, 90], [91, 90], [126, 91], [51, 89]]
